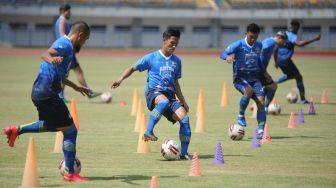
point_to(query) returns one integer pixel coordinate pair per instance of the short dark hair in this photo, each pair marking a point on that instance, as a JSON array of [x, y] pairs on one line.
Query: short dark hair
[[295, 23], [80, 26], [171, 33], [253, 28], [64, 7]]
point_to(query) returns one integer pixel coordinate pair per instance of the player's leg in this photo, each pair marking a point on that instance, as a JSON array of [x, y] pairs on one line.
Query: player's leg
[[160, 103], [269, 93], [299, 82], [286, 69], [247, 91], [258, 97]]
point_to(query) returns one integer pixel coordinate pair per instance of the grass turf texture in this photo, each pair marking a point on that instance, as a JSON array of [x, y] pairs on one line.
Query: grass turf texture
[[302, 157]]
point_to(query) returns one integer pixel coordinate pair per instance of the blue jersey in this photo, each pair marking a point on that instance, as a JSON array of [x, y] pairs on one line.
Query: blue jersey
[[285, 53], [268, 46], [162, 72], [48, 82], [247, 59], [57, 27]]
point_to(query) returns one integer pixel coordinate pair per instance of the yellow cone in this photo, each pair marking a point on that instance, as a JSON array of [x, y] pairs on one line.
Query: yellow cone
[[135, 102], [140, 111], [143, 147], [200, 102], [200, 122], [58, 142], [225, 97], [30, 174], [74, 114]]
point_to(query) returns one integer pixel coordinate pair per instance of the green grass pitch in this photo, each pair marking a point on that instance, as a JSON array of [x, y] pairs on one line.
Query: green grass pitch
[[303, 157]]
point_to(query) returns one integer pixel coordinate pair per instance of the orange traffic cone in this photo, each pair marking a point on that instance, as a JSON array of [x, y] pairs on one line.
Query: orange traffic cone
[[292, 122], [200, 102], [58, 142], [266, 137], [225, 97], [195, 169], [154, 182], [74, 114], [30, 174], [135, 102], [324, 98], [200, 122], [143, 147], [140, 111], [254, 110]]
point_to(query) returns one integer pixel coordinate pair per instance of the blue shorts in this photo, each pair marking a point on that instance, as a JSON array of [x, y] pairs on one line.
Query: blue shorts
[[54, 113], [174, 104], [290, 69], [241, 85]]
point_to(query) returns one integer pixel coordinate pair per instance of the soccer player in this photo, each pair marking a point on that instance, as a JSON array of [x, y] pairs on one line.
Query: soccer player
[[62, 27], [245, 54], [53, 113], [283, 58], [268, 46], [163, 71]]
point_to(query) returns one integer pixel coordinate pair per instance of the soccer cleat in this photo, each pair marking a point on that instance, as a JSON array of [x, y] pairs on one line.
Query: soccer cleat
[[260, 134], [74, 177], [304, 102], [241, 120], [94, 94], [149, 136], [186, 157], [12, 134]]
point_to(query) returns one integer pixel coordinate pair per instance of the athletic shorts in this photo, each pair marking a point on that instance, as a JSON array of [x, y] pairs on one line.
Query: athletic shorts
[[174, 104], [290, 69], [264, 81], [241, 85], [54, 113]]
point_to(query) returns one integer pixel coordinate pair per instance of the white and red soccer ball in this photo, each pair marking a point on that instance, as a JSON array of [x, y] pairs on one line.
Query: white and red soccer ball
[[292, 97], [106, 97], [236, 132], [274, 109], [170, 150], [77, 166]]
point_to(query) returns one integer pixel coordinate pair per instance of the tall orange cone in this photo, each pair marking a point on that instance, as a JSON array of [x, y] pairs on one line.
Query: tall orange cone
[[266, 137], [30, 174], [154, 182], [58, 142], [143, 147], [140, 111], [200, 122], [200, 102], [73, 112], [225, 97], [254, 110], [195, 169], [324, 98], [292, 122], [135, 102]]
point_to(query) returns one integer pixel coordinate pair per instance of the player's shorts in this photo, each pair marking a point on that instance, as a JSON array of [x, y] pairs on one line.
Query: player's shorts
[[174, 104], [241, 85], [264, 81], [290, 69], [54, 113]]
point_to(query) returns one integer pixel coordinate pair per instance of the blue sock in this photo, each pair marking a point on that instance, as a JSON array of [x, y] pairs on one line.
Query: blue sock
[[244, 101], [261, 118], [282, 78], [269, 93], [69, 148], [301, 88], [61, 94], [156, 114], [34, 127], [185, 134]]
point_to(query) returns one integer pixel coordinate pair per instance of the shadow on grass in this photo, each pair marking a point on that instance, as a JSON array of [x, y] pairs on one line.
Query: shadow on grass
[[127, 178], [289, 137], [225, 155]]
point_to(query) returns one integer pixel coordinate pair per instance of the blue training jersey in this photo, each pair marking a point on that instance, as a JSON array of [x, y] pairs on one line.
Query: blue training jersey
[[48, 81], [57, 26], [162, 72], [247, 59], [268, 46], [285, 52]]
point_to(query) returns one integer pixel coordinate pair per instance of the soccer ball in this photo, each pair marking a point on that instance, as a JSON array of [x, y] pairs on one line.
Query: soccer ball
[[274, 109], [236, 132], [77, 166], [106, 97], [170, 150], [292, 97]]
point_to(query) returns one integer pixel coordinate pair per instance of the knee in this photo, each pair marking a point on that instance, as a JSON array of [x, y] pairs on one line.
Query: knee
[[70, 133], [274, 86], [248, 92], [260, 103]]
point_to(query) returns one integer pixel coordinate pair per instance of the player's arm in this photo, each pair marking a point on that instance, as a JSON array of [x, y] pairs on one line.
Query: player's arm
[[275, 56], [180, 96], [228, 54], [51, 56], [302, 43], [62, 27], [83, 90], [80, 76], [128, 72]]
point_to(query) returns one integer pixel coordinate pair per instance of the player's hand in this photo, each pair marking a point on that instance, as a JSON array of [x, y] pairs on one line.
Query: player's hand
[[57, 60], [83, 90], [317, 37], [230, 59], [116, 83]]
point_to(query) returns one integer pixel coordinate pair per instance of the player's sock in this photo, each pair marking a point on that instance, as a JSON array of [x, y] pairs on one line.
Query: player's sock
[[301, 88], [282, 78], [269, 93], [185, 134], [61, 94], [34, 127], [244, 101], [261, 118], [69, 148], [156, 114]]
